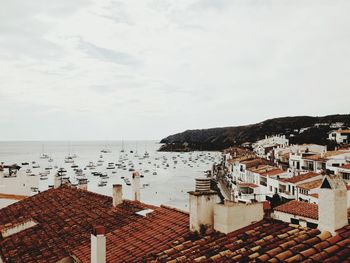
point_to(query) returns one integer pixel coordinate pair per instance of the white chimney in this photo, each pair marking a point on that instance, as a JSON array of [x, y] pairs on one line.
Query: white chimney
[[136, 186], [332, 206], [231, 216], [202, 202], [117, 194], [98, 245], [82, 184], [57, 181]]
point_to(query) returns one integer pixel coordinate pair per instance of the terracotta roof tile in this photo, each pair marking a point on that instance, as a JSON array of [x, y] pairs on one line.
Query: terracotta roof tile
[[299, 208], [311, 185], [300, 178], [345, 166], [161, 236], [64, 218]]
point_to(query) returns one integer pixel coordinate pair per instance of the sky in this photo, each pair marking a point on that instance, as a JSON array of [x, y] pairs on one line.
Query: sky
[[137, 69]]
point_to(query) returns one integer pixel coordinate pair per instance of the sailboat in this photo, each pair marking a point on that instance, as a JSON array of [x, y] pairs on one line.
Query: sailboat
[[44, 155], [69, 157], [106, 150], [122, 150]]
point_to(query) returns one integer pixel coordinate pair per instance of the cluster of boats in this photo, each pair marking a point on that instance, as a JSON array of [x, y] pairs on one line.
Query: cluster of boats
[[104, 168]]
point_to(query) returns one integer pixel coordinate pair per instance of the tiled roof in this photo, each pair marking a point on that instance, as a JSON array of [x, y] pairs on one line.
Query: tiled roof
[[259, 167], [343, 131], [311, 185], [242, 157], [315, 195], [327, 155], [299, 208], [160, 230], [64, 218], [345, 166], [275, 171], [267, 240], [253, 162], [300, 178]]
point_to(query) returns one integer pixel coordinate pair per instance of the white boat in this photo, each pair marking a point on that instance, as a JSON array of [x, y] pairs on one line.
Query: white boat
[[44, 156], [68, 159]]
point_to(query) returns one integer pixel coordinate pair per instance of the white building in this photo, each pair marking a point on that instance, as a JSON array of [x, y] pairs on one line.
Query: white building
[[330, 160], [329, 215], [291, 156], [264, 148], [340, 136], [344, 172], [288, 188]]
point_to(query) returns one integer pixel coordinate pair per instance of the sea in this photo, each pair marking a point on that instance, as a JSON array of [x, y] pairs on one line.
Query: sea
[[166, 176]]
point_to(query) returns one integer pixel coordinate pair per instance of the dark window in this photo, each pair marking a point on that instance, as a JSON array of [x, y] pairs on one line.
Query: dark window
[[311, 225], [294, 221]]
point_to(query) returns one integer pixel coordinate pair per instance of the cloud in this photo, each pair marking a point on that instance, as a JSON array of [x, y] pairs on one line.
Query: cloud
[[146, 69], [106, 54]]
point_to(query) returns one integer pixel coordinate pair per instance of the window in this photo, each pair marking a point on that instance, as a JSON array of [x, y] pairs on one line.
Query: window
[[270, 188], [294, 221], [346, 176], [311, 225]]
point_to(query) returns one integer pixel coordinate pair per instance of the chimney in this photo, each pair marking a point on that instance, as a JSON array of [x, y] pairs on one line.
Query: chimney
[[232, 216], [332, 206], [82, 184], [98, 244], [117, 194], [136, 186], [202, 202], [57, 181]]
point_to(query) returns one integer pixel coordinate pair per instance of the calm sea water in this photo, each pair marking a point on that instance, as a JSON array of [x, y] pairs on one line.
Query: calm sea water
[[175, 171]]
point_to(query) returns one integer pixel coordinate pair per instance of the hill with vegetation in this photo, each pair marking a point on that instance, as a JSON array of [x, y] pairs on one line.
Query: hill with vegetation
[[299, 130]]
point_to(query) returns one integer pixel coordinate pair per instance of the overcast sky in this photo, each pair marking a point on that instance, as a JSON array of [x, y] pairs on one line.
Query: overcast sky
[[134, 69]]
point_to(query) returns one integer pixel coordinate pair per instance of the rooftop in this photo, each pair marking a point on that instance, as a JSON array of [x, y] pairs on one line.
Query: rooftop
[[311, 185], [273, 172], [327, 155], [303, 209], [300, 178], [267, 240], [343, 131], [160, 230], [345, 166], [64, 218], [299, 208]]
